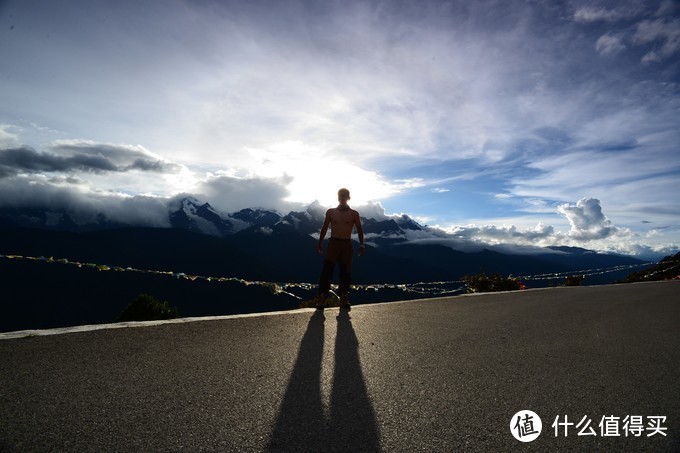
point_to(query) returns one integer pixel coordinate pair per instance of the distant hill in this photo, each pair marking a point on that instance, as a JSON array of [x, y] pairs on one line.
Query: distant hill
[[252, 244], [285, 254], [668, 268]]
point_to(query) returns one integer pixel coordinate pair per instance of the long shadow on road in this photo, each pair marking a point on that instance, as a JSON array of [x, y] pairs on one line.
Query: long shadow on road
[[301, 424]]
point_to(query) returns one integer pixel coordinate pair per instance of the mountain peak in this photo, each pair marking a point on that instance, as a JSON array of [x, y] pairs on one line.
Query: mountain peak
[[189, 202], [257, 216], [190, 214], [406, 222]]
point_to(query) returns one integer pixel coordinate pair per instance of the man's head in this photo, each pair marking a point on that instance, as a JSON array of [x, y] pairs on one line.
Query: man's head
[[343, 196]]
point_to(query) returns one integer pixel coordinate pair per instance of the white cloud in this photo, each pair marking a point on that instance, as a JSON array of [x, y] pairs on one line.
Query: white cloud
[[594, 14], [372, 210], [667, 7], [620, 176], [231, 193], [588, 228], [609, 44], [663, 32], [360, 81], [667, 32], [651, 57], [494, 234], [587, 220], [7, 138]]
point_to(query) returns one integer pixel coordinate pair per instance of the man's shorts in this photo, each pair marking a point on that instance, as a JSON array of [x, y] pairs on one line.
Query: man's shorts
[[339, 250]]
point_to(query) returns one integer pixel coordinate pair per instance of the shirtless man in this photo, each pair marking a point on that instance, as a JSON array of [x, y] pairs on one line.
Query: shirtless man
[[342, 221]]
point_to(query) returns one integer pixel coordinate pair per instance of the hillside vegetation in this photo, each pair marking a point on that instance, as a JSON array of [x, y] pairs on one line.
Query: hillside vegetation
[[668, 268]]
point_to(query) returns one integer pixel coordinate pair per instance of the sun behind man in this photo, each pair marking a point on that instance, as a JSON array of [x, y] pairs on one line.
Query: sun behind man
[[342, 221]]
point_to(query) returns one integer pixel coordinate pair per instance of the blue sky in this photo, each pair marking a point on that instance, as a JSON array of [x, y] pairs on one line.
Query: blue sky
[[491, 119]]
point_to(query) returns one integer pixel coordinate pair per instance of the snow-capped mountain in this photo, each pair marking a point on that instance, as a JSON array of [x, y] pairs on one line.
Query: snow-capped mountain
[[398, 236], [308, 221], [257, 217], [190, 214]]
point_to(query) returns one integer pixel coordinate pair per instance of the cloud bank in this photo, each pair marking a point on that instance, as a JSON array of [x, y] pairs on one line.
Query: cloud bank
[[61, 193], [589, 228]]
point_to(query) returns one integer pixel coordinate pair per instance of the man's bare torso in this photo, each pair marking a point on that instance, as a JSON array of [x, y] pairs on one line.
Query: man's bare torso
[[342, 222]]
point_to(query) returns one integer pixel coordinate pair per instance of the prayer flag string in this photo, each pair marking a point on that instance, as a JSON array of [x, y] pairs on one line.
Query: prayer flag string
[[439, 288]]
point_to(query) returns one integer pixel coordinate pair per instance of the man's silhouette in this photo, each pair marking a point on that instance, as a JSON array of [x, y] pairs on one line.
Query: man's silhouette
[[342, 221]]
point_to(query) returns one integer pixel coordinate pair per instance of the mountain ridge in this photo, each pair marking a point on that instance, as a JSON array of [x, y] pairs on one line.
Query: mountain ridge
[[265, 244]]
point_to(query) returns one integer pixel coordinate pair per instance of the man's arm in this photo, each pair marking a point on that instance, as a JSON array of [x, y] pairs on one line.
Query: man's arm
[[324, 229], [360, 232]]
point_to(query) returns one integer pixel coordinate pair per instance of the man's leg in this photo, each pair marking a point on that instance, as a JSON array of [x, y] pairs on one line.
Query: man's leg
[[324, 284], [325, 278], [326, 274], [345, 274]]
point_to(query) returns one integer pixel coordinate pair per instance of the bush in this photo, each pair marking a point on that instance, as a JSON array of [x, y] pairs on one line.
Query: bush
[[574, 280], [481, 283], [147, 308], [331, 301]]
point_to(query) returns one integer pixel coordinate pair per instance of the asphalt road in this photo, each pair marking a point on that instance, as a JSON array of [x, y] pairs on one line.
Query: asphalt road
[[433, 375]]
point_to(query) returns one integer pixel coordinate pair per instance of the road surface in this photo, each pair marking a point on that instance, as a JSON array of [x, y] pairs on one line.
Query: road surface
[[432, 375]]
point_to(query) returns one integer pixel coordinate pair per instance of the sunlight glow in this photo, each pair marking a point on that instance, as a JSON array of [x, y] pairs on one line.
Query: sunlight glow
[[316, 176], [181, 182]]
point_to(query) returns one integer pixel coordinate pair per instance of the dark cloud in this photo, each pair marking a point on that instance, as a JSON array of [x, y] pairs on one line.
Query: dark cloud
[[157, 166], [125, 157], [67, 180], [25, 159], [74, 157]]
